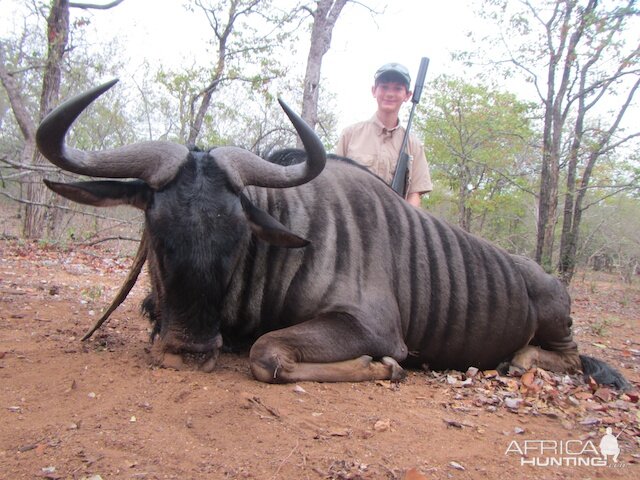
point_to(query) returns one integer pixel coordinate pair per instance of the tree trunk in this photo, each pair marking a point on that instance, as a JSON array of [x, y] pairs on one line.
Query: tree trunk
[[569, 247], [324, 19], [37, 216], [549, 175], [462, 205], [555, 117], [569, 237], [223, 32], [546, 209], [550, 182], [198, 118], [574, 198]]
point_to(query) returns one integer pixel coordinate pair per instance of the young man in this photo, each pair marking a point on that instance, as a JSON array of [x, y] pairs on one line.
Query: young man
[[375, 143]]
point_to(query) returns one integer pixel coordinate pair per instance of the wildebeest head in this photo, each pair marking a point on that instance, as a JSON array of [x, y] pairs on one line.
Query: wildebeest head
[[196, 215]]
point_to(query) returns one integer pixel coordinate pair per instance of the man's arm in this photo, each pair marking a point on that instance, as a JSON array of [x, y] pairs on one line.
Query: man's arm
[[414, 199], [420, 180]]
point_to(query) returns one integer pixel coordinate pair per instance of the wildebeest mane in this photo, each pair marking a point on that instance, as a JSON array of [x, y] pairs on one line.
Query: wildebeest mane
[[292, 156]]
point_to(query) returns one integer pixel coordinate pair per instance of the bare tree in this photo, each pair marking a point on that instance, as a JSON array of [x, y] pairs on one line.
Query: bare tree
[[36, 218], [603, 139], [578, 55], [324, 17], [238, 45]]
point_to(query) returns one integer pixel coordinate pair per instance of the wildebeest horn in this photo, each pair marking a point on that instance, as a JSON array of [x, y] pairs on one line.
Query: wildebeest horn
[[253, 170], [154, 162]]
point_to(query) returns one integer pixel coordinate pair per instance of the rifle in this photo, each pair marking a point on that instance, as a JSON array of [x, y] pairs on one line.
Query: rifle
[[400, 181]]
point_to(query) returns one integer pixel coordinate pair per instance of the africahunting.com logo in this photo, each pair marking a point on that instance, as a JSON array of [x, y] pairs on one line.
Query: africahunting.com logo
[[568, 453]]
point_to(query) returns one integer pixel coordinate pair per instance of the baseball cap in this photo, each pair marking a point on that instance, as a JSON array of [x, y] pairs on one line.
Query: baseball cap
[[393, 72]]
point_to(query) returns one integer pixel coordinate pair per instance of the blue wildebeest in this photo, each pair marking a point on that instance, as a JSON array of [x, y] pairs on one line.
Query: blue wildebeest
[[366, 282]]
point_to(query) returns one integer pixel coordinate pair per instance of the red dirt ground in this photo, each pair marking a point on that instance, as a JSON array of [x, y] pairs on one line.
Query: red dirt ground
[[98, 409]]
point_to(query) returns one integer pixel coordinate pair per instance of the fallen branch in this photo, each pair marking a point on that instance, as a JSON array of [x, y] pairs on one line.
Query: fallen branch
[[107, 239], [136, 268]]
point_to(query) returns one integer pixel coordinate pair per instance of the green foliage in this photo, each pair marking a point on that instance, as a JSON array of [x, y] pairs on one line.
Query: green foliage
[[478, 142]]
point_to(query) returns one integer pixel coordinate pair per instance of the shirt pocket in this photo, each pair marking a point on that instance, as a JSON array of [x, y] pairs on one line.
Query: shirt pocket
[[368, 161]]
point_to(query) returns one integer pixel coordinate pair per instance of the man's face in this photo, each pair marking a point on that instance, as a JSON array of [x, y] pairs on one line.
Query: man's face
[[390, 96]]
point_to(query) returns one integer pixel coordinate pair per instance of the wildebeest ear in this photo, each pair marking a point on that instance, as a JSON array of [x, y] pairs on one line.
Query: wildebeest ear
[[267, 228], [106, 193]]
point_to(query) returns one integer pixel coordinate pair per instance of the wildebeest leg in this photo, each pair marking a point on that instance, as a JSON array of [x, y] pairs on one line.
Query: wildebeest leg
[[559, 356], [334, 348], [356, 370]]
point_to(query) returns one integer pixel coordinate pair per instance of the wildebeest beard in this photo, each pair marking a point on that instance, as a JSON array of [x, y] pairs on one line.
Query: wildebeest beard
[[192, 265], [191, 308], [185, 313]]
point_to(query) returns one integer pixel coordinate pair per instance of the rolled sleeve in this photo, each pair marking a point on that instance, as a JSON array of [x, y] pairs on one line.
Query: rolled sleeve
[[420, 181]]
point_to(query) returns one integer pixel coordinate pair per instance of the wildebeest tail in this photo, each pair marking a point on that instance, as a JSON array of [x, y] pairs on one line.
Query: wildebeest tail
[[603, 373]]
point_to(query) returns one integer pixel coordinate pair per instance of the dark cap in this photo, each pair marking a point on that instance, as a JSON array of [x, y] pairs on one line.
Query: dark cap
[[393, 72]]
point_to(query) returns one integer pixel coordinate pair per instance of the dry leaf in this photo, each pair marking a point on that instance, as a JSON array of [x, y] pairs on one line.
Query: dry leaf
[[604, 394], [633, 396], [583, 395], [528, 378]]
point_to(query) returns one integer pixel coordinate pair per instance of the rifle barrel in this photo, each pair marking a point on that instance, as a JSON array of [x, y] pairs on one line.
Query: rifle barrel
[[399, 182]]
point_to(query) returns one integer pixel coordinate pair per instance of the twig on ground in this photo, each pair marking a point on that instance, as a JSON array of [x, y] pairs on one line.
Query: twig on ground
[[286, 459]]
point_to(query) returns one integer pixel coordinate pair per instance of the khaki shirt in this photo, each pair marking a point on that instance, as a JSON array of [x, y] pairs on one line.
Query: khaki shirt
[[374, 146]]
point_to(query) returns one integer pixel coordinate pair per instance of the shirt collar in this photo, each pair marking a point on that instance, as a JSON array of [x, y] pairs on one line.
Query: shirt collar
[[380, 128]]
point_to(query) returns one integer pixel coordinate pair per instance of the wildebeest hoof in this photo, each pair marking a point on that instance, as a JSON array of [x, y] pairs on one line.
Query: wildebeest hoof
[[178, 361], [397, 372], [366, 360], [164, 359], [209, 364], [172, 360]]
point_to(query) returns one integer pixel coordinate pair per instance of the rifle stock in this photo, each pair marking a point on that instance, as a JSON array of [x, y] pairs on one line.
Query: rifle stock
[[400, 182]]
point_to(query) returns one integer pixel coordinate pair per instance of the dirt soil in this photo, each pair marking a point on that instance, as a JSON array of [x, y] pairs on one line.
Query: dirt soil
[[99, 409]]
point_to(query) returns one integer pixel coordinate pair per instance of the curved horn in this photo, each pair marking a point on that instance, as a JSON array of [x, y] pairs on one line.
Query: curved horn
[[154, 162], [250, 169]]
